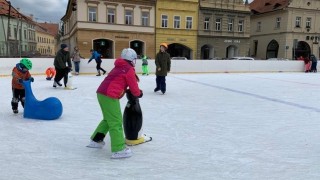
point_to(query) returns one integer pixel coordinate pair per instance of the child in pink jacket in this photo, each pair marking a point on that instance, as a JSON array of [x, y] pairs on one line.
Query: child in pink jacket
[[109, 92]]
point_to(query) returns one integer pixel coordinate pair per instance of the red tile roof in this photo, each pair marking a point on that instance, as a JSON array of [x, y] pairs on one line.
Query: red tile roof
[[263, 6], [52, 28], [14, 13]]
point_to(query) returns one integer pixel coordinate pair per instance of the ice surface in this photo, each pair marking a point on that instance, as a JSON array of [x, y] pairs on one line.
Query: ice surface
[[207, 126]]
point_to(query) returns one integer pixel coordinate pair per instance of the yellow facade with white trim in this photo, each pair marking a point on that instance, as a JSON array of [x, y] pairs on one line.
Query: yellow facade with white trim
[[182, 35]]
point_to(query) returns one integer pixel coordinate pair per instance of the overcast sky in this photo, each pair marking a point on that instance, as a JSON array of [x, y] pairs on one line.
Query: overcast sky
[[44, 10]]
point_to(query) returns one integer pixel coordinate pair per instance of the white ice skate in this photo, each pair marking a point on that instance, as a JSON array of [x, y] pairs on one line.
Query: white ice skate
[[125, 153], [98, 145], [69, 85]]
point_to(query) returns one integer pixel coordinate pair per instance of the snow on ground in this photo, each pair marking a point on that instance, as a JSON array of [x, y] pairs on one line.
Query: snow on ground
[[207, 126]]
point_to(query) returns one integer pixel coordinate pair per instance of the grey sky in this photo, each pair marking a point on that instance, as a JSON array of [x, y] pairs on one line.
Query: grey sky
[[43, 10]]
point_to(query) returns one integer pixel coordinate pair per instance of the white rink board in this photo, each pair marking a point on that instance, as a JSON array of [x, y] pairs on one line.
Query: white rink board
[[177, 66]]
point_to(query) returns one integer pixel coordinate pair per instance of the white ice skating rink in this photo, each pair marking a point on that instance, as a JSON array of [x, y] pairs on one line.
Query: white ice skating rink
[[207, 126]]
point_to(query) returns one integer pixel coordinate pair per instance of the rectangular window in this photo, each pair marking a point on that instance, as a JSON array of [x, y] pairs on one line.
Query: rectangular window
[[240, 25], [230, 24], [189, 23], [259, 26], [164, 21], [298, 22], [206, 23], [176, 23], [308, 22], [92, 16], [111, 16], [9, 32], [145, 18], [278, 22], [255, 52], [218, 24], [15, 32], [25, 34], [129, 17]]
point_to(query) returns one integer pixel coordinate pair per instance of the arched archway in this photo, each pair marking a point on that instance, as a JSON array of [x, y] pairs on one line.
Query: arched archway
[[272, 49], [104, 47], [232, 51], [302, 49], [179, 50], [138, 46], [207, 52]]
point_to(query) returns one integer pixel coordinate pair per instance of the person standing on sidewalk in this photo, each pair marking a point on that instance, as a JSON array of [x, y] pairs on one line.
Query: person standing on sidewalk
[[163, 65]]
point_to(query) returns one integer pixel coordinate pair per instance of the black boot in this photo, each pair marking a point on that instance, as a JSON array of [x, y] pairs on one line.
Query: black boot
[[98, 137]]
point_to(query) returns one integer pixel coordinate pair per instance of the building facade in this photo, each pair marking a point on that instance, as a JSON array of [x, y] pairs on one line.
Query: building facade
[[110, 26], [224, 29], [286, 29], [19, 39], [46, 41], [177, 25]]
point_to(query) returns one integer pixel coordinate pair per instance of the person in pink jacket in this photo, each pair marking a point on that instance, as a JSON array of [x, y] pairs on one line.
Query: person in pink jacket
[[109, 92]]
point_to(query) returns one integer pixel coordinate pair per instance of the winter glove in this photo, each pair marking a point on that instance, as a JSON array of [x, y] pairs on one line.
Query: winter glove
[[141, 94], [68, 69], [20, 80], [31, 79]]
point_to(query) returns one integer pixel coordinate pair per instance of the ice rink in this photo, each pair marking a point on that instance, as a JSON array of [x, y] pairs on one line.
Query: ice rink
[[257, 126]]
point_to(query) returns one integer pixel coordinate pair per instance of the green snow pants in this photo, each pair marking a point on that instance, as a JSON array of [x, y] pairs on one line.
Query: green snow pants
[[145, 69], [111, 122]]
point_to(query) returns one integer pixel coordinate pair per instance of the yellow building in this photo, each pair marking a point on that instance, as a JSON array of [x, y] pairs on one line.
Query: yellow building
[[46, 39], [177, 25]]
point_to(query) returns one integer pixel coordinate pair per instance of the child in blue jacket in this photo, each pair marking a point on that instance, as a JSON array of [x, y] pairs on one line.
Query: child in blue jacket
[[95, 55]]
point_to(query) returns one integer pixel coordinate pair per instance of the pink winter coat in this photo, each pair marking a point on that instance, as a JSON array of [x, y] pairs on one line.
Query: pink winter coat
[[117, 81]]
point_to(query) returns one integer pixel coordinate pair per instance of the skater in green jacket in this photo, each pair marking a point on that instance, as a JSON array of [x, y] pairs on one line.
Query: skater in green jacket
[[145, 68]]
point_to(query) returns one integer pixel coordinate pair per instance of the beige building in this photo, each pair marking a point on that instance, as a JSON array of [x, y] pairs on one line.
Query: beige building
[[224, 29], [284, 29], [46, 40], [110, 26]]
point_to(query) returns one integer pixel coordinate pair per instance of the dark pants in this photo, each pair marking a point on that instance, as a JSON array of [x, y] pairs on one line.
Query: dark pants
[[100, 68], [314, 67], [76, 66], [17, 95], [62, 73], [161, 83]]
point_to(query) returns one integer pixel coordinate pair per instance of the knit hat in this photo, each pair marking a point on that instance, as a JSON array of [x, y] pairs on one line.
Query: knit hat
[[128, 54], [62, 46]]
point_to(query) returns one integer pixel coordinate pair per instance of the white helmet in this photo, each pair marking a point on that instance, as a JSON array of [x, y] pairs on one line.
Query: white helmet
[[128, 54]]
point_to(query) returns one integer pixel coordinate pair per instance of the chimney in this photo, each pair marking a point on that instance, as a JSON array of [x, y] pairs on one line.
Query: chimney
[[31, 16], [18, 9]]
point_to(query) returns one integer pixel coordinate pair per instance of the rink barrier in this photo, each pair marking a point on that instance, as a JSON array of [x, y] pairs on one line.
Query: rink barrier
[[177, 66]]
